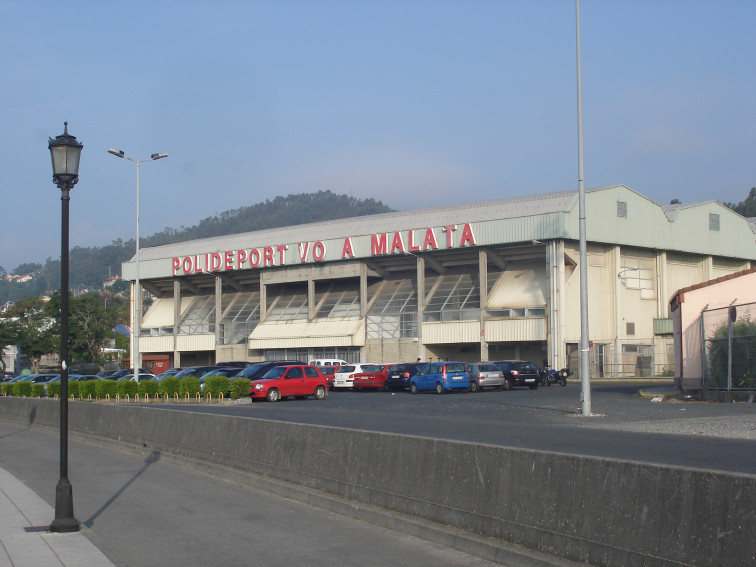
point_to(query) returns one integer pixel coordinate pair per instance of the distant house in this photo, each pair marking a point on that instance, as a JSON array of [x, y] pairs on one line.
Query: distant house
[[110, 281], [700, 313]]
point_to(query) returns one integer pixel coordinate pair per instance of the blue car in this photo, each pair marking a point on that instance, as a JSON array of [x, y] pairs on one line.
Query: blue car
[[440, 376]]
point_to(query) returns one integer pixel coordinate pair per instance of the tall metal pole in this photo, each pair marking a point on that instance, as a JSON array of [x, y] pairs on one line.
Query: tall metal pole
[[135, 358], [136, 321], [585, 362], [65, 151]]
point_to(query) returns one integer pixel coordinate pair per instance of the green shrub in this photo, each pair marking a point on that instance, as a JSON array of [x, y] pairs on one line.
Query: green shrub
[[189, 385], [73, 388], [127, 388], [217, 385], [169, 386], [53, 389], [149, 387], [37, 390], [106, 388], [88, 388], [22, 389], [240, 388]]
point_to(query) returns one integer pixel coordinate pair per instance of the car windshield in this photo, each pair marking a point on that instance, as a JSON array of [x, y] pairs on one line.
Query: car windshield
[[275, 372], [345, 369], [487, 368], [372, 368], [526, 367], [455, 367]]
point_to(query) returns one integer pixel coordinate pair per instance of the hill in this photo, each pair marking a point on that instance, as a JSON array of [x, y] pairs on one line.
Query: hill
[[89, 267]]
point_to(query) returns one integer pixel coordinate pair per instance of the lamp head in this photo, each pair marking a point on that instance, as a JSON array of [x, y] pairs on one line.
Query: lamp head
[[65, 151], [117, 153]]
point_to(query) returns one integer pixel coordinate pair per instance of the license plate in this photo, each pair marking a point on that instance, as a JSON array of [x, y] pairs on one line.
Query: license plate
[[530, 380]]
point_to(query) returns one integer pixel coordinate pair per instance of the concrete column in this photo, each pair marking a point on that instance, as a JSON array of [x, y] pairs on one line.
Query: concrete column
[[176, 321], [310, 299], [661, 285], [483, 279], [618, 314], [420, 282], [218, 314], [263, 300]]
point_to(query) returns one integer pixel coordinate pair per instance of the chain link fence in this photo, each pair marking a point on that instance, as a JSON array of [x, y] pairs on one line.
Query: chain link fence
[[729, 347]]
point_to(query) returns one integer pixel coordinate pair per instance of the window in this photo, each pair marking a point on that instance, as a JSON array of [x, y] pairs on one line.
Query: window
[[713, 221], [622, 209], [630, 328]]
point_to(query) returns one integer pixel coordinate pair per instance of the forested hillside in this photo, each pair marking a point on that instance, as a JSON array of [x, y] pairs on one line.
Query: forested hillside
[[89, 267]]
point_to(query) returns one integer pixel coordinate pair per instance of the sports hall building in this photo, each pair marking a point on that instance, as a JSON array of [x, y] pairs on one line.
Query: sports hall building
[[490, 280]]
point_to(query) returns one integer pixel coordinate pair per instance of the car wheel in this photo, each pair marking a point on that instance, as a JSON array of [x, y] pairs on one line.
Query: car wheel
[[439, 388], [533, 386], [273, 395], [507, 384], [413, 388], [474, 387], [320, 393]]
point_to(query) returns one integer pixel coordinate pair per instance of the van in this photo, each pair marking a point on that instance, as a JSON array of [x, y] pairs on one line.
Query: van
[[328, 362]]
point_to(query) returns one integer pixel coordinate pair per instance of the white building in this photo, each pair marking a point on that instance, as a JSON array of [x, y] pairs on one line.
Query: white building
[[398, 286]]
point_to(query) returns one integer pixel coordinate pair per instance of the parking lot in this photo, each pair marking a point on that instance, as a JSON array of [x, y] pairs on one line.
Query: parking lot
[[624, 425]]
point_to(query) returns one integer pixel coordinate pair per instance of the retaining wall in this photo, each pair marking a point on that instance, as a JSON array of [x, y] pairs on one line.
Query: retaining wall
[[592, 510]]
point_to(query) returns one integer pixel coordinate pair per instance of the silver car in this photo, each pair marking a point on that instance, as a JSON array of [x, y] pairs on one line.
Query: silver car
[[484, 375]]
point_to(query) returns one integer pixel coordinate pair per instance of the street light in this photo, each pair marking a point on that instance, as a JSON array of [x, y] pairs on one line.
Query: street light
[[65, 151], [135, 355]]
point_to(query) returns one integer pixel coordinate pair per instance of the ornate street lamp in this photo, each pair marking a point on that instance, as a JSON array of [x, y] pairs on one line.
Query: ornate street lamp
[[65, 151]]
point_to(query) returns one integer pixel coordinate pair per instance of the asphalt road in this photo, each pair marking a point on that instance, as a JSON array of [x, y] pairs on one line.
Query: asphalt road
[[624, 425]]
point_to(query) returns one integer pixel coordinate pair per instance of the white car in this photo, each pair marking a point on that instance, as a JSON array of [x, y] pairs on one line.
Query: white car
[[344, 375]]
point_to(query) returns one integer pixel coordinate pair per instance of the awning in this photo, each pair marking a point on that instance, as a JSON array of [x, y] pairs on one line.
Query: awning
[[346, 331], [522, 284]]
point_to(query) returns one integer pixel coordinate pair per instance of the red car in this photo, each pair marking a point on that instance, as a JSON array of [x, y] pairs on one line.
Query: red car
[[372, 376], [328, 371], [284, 381]]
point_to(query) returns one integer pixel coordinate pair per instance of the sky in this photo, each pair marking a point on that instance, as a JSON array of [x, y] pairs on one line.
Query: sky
[[415, 103]]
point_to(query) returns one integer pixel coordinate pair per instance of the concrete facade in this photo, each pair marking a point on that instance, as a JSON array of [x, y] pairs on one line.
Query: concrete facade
[[481, 281]]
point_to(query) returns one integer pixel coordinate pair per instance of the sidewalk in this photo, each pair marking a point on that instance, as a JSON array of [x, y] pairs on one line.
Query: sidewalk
[[25, 537]]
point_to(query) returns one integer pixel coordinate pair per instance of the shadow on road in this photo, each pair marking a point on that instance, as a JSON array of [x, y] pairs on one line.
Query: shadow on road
[[150, 460]]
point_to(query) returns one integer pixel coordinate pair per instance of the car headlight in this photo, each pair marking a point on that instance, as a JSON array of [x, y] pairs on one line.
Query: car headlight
[[258, 386]]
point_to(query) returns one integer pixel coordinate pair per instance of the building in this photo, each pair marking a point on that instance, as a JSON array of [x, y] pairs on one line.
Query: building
[[479, 281], [706, 318]]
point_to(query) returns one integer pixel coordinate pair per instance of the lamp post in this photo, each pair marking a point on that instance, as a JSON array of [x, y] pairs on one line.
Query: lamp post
[[65, 151], [135, 355]]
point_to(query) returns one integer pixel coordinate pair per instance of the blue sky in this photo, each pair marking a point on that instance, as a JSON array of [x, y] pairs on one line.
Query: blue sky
[[414, 102]]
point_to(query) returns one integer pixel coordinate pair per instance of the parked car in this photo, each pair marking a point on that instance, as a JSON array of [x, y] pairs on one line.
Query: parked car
[[198, 371], [484, 375], [123, 371], [441, 377], [328, 362], [373, 376], [233, 364], [259, 369], [518, 373], [142, 376], [398, 376], [167, 373], [6, 376], [283, 381], [344, 375], [328, 372], [103, 374], [42, 378]]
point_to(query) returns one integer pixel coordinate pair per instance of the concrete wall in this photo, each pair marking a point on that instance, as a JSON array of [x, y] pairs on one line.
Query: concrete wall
[[592, 510]]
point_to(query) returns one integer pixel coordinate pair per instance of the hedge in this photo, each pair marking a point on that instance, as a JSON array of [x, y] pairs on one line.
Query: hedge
[[105, 387], [22, 389], [240, 388], [169, 386], [216, 385], [127, 388], [189, 385], [88, 388]]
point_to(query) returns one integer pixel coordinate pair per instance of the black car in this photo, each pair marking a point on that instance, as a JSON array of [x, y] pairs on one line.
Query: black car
[[398, 376], [258, 370], [518, 373]]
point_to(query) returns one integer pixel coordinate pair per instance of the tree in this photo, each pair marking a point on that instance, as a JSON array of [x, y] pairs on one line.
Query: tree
[[88, 330], [7, 338], [34, 329], [746, 208], [675, 202], [743, 354]]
